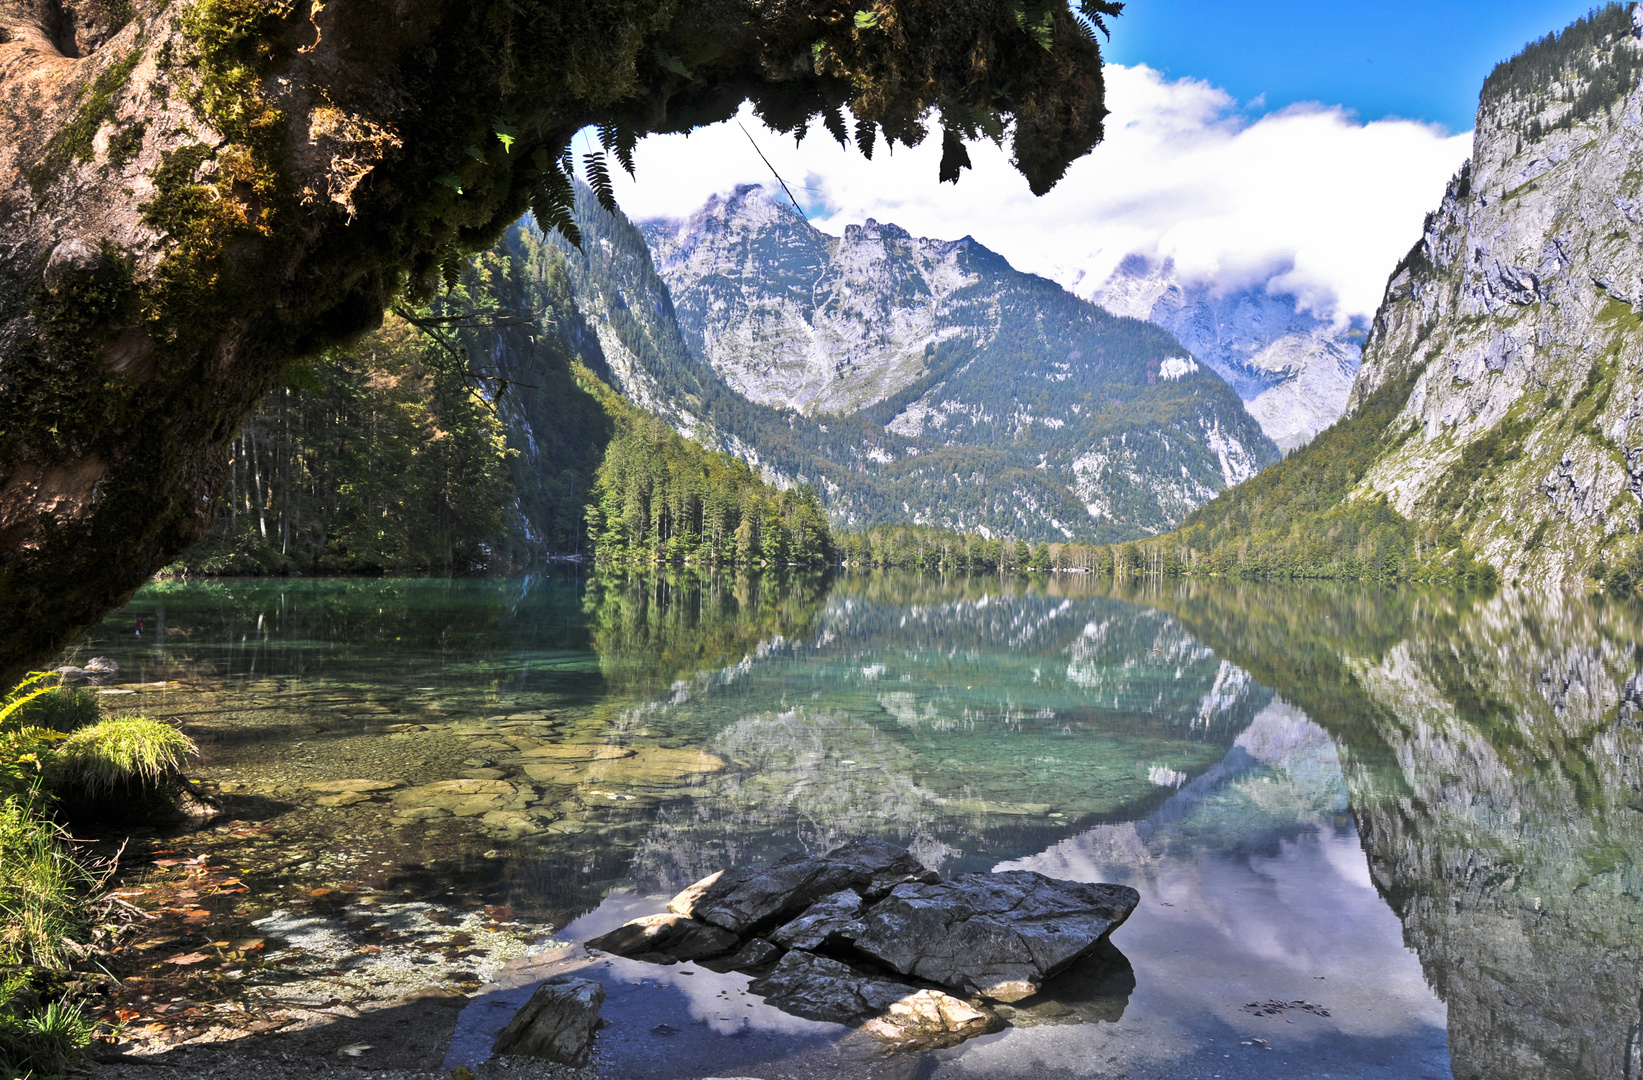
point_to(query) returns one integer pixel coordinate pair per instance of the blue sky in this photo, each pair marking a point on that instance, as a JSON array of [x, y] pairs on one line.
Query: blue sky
[[1416, 59]]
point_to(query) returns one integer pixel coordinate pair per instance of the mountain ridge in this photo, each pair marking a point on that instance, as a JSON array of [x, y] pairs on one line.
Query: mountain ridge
[[928, 380]]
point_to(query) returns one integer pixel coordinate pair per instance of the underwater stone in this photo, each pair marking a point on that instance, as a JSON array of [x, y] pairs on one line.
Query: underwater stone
[[337, 786], [557, 1024]]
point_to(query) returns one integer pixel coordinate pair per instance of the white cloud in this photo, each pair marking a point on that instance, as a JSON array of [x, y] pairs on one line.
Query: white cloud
[[1307, 198]]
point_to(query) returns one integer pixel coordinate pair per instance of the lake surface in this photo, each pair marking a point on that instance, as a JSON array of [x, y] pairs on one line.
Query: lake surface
[[1375, 834]]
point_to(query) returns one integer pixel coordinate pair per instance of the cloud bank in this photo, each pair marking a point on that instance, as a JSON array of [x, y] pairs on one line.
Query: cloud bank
[[1307, 200]]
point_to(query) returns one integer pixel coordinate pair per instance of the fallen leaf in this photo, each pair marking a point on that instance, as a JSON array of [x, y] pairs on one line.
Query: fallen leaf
[[188, 958], [315, 894]]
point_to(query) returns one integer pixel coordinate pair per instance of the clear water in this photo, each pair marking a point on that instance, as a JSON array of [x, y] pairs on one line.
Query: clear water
[[1410, 820]]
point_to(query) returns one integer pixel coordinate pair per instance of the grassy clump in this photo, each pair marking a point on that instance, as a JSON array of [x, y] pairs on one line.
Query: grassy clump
[[125, 754], [41, 887]]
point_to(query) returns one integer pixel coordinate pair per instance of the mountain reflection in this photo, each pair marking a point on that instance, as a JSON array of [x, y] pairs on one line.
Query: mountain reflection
[[1493, 757]]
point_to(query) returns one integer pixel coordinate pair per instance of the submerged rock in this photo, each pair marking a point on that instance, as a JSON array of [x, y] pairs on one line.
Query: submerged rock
[[997, 935], [557, 1024]]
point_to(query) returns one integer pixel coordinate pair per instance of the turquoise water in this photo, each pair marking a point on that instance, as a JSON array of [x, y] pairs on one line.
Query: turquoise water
[[1411, 820]]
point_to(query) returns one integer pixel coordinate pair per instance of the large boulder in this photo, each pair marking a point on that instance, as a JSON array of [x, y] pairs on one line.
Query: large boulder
[[830, 921], [869, 906], [749, 899], [817, 988], [666, 938], [998, 935], [557, 1024]]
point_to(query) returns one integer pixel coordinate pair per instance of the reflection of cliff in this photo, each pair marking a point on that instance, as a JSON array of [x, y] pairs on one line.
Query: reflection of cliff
[[1493, 751]]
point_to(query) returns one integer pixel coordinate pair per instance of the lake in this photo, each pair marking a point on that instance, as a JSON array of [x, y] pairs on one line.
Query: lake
[[1375, 833]]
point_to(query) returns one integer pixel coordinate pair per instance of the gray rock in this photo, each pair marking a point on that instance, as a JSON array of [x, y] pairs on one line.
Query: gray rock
[[557, 1024], [827, 922], [72, 260], [750, 958], [997, 935], [747, 899], [667, 935], [817, 988]]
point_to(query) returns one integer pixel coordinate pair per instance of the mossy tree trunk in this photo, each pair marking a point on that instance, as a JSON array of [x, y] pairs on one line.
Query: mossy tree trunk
[[193, 195]]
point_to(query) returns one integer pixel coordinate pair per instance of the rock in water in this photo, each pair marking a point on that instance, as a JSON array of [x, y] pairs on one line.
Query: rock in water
[[829, 921], [666, 937], [557, 1024], [872, 904], [997, 935], [817, 988], [748, 899]]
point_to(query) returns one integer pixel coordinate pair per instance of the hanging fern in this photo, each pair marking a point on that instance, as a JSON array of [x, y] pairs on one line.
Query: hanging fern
[[834, 122], [864, 138], [599, 180], [553, 198], [619, 139]]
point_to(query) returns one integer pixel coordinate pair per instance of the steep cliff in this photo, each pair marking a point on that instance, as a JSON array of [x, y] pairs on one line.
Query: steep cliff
[[1515, 320], [1492, 751]]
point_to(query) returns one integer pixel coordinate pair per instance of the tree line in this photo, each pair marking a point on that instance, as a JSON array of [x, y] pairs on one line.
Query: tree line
[[661, 498]]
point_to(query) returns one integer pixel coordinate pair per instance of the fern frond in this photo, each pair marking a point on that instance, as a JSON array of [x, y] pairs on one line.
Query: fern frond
[[553, 200], [1098, 11], [864, 137], [833, 120], [599, 180]]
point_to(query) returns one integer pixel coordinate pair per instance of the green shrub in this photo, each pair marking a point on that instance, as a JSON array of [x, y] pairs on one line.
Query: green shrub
[[127, 754], [59, 708]]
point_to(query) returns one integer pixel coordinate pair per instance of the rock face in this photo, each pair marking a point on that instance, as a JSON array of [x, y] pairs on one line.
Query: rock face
[[557, 1024], [1293, 370], [892, 358], [870, 905], [996, 935], [1509, 341]]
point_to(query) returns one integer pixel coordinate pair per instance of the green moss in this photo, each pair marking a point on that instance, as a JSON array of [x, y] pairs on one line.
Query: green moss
[[125, 144], [74, 142]]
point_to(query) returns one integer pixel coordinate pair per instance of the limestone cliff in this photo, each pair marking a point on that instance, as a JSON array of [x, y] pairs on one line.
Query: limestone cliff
[[1515, 321]]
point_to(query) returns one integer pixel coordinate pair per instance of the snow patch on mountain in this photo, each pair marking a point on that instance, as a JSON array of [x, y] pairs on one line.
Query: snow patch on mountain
[[1293, 369]]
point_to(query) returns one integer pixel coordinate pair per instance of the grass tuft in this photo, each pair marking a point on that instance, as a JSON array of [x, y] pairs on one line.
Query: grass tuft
[[120, 754], [39, 890]]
